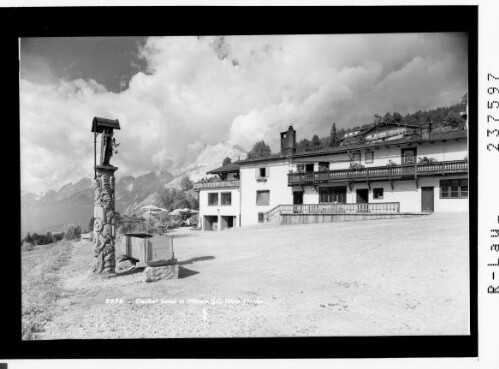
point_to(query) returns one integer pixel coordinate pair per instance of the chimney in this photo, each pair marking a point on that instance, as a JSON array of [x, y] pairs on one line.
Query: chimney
[[426, 131], [288, 142]]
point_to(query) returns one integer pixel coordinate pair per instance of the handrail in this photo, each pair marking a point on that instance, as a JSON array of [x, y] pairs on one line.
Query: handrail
[[348, 208], [216, 184], [272, 212]]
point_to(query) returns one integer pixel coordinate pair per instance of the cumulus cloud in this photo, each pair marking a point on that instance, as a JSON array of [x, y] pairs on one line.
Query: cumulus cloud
[[205, 90]]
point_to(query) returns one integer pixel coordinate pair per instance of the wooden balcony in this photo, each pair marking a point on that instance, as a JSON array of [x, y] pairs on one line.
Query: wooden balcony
[[390, 173], [216, 184]]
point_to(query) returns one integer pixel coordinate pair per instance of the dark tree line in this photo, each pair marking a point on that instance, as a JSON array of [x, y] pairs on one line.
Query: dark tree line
[[318, 143], [259, 150], [172, 198], [73, 232], [448, 117]]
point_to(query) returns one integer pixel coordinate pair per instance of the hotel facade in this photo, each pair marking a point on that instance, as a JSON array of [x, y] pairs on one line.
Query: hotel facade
[[387, 170]]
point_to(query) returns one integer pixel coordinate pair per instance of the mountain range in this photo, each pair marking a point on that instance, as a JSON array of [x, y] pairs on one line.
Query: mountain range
[[73, 203]]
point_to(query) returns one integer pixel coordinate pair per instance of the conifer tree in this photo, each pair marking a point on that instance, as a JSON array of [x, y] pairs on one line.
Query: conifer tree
[[333, 136]]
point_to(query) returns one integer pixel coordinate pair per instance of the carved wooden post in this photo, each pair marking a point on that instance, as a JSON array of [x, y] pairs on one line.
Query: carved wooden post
[[104, 204]]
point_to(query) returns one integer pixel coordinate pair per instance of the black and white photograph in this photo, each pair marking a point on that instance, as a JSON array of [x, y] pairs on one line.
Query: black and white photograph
[[251, 182], [244, 186]]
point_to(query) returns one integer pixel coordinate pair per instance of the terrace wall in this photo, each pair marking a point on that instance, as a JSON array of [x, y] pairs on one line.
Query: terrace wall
[[409, 195]]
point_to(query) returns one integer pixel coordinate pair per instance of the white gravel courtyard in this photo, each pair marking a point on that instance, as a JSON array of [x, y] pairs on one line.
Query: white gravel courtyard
[[407, 276]]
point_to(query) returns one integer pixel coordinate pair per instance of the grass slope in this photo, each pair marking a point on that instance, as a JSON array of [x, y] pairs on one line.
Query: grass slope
[[40, 284]]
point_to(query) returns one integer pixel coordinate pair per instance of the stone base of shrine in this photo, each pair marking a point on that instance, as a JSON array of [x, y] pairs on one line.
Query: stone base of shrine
[[104, 274], [153, 274]]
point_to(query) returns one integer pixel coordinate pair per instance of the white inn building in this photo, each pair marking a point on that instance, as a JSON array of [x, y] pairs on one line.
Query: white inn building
[[392, 170]]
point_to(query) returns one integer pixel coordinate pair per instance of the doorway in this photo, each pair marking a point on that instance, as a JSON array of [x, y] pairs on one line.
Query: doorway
[[363, 196], [333, 195], [427, 199], [227, 222], [210, 223], [298, 198]]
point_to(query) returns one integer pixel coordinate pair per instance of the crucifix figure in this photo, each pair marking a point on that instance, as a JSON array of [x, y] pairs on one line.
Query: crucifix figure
[[108, 146]]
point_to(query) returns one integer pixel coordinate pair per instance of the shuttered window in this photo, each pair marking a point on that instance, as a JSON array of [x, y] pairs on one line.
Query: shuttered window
[[323, 166], [261, 217], [333, 195], [454, 188], [356, 157], [262, 172], [213, 199], [226, 198], [263, 197], [409, 155], [369, 157], [378, 193]]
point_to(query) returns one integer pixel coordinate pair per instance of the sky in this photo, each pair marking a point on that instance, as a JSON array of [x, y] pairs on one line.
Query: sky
[[174, 95]]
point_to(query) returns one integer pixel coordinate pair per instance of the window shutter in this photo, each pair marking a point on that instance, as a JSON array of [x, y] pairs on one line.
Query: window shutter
[[257, 172], [267, 172]]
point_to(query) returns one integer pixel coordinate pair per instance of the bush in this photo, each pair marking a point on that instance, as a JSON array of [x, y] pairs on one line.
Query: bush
[[28, 239], [356, 166], [27, 246], [425, 159], [260, 150], [58, 236], [73, 232], [186, 184], [38, 239]]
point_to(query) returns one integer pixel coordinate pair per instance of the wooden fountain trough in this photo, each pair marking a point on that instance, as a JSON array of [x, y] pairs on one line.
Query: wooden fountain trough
[[148, 250]]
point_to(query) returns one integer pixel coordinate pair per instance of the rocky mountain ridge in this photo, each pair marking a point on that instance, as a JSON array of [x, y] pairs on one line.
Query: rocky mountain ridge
[[73, 203]]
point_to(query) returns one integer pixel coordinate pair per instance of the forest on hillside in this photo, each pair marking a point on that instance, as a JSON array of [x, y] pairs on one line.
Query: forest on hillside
[[442, 118]]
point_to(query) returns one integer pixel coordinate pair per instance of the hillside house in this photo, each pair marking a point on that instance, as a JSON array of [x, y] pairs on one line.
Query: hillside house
[[394, 169], [219, 199]]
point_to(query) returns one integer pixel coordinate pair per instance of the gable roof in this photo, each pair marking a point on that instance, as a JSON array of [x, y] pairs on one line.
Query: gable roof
[[352, 134], [230, 168], [274, 157], [380, 125], [440, 136], [99, 123]]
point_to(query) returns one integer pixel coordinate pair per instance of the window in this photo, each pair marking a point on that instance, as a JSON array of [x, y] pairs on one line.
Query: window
[[261, 172], [409, 155], [261, 217], [263, 197], [369, 157], [300, 168], [213, 199], [356, 157], [454, 189], [333, 195], [377, 193], [226, 198], [309, 168], [323, 166]]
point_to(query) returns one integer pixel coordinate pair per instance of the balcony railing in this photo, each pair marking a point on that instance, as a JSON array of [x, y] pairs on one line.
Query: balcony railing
[[348, 208], [215, 184], [404, 171]]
